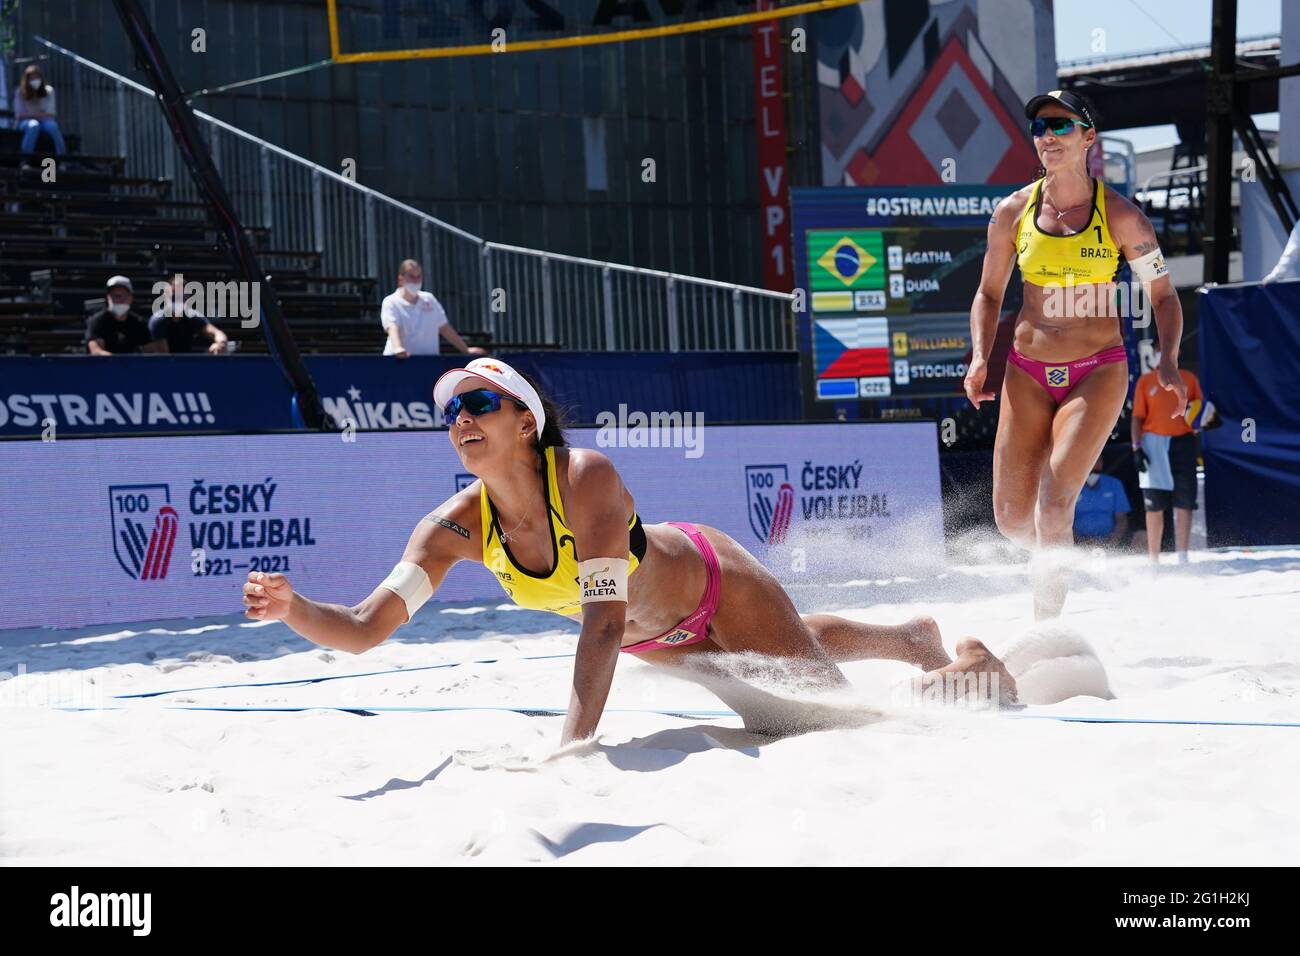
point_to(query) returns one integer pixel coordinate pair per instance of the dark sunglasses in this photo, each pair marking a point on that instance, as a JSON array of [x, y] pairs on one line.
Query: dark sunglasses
[[1059, 125], [478, 402]]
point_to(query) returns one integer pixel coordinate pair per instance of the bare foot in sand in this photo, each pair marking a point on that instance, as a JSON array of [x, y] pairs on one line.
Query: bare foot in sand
[[982, 676], [924, 635]]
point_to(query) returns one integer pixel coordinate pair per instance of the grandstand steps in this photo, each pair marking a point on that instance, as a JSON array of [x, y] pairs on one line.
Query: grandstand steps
[[11, 141], [71, 181], [10, 158], [60, 241], [18, 197]]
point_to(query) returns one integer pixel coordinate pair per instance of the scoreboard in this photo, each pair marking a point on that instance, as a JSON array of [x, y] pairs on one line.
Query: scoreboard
[[888, 274]]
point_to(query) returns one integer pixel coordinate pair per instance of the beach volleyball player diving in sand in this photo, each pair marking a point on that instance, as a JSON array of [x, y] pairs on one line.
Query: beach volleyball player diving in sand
[[1067, 372], [561, 533]]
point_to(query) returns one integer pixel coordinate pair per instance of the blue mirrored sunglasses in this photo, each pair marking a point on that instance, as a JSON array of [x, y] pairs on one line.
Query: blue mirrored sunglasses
[[478, 402], [1059, 125]]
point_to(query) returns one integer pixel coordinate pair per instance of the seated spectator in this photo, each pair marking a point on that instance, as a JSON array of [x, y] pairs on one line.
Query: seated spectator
[[34, 111], [183, 328], [1101, 513], [116, 330], [414, 319]]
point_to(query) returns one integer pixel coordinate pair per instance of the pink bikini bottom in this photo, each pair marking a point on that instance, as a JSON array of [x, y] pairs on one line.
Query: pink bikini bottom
[[1060, 379], [694, 628]]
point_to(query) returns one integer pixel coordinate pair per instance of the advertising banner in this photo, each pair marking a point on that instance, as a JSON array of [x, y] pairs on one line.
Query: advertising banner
[[131, 529], [56, 396], [1250, 362], [773, 169]]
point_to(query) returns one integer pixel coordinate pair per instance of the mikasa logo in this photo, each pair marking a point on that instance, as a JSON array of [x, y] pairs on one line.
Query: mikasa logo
[[102, 909]]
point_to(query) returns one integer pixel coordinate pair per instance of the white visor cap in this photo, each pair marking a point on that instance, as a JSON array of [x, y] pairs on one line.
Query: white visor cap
[[505, 378]]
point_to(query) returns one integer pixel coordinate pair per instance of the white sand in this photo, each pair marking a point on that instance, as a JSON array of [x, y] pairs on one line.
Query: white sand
[[149, 785]]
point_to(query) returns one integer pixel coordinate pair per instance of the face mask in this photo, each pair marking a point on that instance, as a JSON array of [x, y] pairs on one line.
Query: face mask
[[37, 83], [118, 308], [413, 287], [1093, 478]]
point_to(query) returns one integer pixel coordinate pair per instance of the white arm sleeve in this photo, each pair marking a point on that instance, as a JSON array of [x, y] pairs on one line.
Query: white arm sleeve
[[1149, 268], [410, 583], [603, 579]]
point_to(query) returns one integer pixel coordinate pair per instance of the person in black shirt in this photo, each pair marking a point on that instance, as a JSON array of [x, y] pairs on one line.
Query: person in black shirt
[[183, 328], [116, 330]]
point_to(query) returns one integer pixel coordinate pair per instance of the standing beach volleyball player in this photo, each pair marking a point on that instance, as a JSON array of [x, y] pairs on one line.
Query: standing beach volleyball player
[[1067, 372], [561, 533]]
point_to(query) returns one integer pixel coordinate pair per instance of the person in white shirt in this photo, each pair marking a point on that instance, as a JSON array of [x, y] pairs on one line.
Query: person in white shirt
[[34, 111], [414, 319]]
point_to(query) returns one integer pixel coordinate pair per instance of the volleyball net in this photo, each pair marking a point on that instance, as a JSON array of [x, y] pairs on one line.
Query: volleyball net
[[375, 30]]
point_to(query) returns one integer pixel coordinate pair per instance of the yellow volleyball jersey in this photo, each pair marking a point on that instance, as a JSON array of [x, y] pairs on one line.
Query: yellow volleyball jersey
[[1089, 255], [556, 590]]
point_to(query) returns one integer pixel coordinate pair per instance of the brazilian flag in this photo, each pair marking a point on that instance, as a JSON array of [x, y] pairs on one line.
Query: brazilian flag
[[846, 259]]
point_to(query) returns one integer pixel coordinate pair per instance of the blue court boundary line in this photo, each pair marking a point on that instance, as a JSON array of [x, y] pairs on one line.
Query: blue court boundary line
[[446, 708], [556, 711], [1156, 720], [681, 712], [321, 680]]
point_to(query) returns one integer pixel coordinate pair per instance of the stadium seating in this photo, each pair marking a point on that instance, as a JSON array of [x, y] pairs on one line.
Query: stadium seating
[[60, 241]]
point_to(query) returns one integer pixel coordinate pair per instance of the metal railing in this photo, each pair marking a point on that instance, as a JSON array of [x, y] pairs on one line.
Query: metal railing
[[1262, 42], [1174, 192], [1176, 211], [515, 294], [616, 307]]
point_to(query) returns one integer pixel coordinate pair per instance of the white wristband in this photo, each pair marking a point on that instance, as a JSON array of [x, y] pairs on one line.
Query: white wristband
[[603, 579], [1150, 267], [410, 583]]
